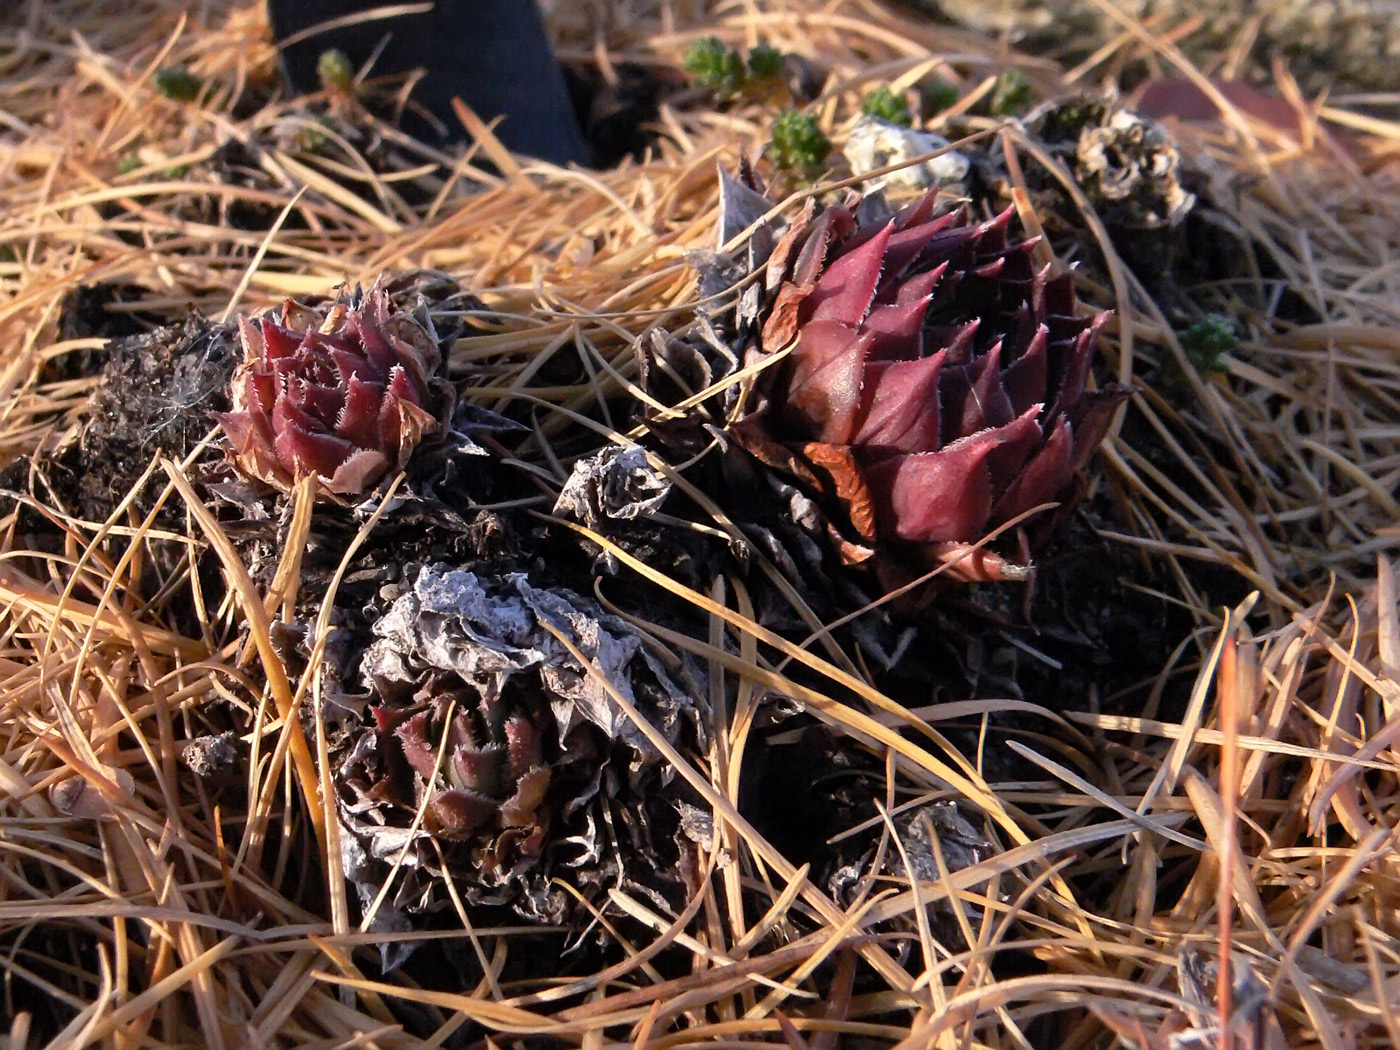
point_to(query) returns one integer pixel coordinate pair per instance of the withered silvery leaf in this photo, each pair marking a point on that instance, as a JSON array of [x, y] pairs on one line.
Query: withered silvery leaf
[[960, 845], [740, 206], [697, 824], [376, 839], [611, 644], [959, 842], [364, 875], [618, 483], [470, 421], [487, 630], [874, 144], [1198, 977], [522, 765], [728, 312]]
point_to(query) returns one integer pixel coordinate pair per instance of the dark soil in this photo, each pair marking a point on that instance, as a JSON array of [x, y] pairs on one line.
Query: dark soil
[[155, 398], [619, 118], [107, 310]]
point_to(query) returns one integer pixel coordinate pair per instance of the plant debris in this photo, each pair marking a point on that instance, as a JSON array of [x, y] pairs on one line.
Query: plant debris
[[1128, 166], [877, 143], [616, 484], [156, 395], [470, 684]]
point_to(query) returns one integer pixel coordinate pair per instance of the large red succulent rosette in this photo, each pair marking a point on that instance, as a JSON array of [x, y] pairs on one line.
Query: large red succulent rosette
[[935, 386]]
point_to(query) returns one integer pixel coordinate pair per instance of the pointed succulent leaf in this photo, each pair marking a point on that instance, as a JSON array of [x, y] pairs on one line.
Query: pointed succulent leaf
[[1026, 377], [477, 759], [417, 745], [480, 771], [898, 326], [1044, 477], [845, 291], [935, 497], [523, 751], [520, 810], [828, 365], [457, 813], [900, 401]]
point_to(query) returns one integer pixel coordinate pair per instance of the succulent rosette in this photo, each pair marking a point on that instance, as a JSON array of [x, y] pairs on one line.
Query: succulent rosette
[[343, 394], [936, 384], [474, 762], [477, 716]]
